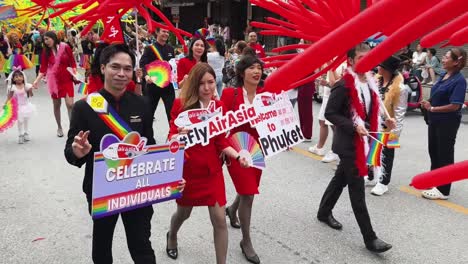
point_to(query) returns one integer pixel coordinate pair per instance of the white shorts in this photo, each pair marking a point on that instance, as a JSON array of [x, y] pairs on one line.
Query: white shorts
[[321, 115]]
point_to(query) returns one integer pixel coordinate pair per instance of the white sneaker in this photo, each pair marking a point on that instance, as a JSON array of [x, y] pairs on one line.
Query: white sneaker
[[434, 194], [21, 139], [330, 157], [307, 140], [367, 182], [26, 137], [317, 151], [379, 189]]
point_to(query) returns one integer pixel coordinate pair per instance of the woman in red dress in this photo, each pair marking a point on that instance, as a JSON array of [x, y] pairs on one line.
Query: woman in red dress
[[55, 59], [203, 167], [198, 50], [246, 180]]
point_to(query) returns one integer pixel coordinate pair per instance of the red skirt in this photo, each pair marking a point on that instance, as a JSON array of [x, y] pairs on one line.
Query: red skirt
[[204, 186], [65, 89], [246, 180]]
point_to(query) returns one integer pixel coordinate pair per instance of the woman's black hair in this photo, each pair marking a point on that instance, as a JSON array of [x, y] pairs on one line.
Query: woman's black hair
[[220, 46], [53, 36], [245, 62], [96, 64], [204, 57]]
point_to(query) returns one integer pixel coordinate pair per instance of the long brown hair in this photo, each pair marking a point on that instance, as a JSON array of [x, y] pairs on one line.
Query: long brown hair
[[191, 87]]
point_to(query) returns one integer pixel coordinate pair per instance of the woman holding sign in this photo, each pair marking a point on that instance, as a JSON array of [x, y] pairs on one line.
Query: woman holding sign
[[203, 167], [246, 180]]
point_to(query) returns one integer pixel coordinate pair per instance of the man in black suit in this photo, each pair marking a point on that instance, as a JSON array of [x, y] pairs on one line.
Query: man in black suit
[[351, 108], [152, 91]]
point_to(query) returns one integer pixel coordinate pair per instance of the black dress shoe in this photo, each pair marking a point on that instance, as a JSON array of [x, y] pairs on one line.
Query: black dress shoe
[[172, 253], [253, 259], [378, 246], [331, 222], [232, 220]]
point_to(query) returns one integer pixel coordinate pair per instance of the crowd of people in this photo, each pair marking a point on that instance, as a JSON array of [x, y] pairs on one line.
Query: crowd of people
[[232, 75]]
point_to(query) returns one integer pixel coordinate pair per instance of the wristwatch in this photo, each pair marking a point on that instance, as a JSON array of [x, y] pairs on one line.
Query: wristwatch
[[238, 157]]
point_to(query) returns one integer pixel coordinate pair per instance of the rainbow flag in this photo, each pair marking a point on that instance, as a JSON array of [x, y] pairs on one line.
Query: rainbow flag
[[395, 143], [375, 149], [83, 88]]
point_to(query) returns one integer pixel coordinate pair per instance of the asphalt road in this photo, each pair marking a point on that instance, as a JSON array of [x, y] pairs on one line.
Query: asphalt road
[[44, 219]]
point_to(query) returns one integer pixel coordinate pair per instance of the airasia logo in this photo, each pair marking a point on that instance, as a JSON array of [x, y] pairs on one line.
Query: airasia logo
[[174, 147]]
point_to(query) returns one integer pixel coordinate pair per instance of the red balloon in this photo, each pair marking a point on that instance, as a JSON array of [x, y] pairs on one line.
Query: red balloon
[[441, 176], [459, 38], [431, 19], [337, 43], [445, 31]]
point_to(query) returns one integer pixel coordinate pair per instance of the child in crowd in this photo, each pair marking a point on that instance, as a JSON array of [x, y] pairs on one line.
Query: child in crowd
[[19, 88]]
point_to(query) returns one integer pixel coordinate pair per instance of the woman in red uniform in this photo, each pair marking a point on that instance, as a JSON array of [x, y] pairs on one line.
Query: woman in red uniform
[[246, 180], [203, 167], [55, 59], [198, 50]]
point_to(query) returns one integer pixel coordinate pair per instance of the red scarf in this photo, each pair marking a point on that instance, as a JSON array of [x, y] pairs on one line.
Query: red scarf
[[357, 106]]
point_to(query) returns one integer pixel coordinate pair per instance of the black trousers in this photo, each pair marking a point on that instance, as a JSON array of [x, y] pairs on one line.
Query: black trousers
[[347, 174], [137, 224], [154, 94], [441, 138], [388, 155]]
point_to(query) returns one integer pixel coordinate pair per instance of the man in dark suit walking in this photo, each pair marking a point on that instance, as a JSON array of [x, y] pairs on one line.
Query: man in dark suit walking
[[353, 108]]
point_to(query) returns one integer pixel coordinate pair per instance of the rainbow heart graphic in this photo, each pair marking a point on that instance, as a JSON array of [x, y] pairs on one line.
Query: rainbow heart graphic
[[132, 138]]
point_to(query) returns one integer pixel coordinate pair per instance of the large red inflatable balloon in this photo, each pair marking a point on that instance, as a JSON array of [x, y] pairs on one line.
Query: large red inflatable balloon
[[444, 32], [459, 38], [336, 43], [431, 19], [441, 176]]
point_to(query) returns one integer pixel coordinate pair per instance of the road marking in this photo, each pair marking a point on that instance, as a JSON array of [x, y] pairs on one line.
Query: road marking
[[405, 189], [307, 153], [444, 203]]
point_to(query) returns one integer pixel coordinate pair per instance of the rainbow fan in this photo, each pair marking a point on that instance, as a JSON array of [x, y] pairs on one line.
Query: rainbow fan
[[201, 33], [248, 148], [9, 114], [17, 60], [160, 73], [211, 41]]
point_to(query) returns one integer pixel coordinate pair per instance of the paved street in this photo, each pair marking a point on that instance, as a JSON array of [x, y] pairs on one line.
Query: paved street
[[44, 219]]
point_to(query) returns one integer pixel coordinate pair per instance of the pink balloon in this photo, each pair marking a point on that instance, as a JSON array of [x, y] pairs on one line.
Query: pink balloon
[[445, 31], [423, 24], [441, 176]]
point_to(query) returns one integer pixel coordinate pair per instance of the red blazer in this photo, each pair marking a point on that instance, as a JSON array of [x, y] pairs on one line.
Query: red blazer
[[258, 49], [66, 60], [232, 102], [183, 67]]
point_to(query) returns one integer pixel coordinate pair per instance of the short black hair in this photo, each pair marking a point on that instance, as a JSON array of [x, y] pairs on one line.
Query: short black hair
[[358, 48], [112, 50], [245, 62], [433, 51]]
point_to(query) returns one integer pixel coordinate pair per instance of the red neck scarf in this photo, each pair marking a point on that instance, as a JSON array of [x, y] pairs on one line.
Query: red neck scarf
[[358, 111]]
